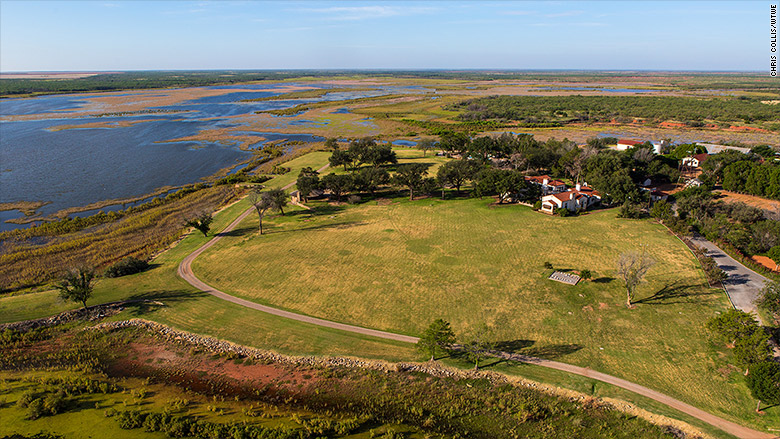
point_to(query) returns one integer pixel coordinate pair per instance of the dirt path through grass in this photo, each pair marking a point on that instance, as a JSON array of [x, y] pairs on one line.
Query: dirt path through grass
[[185, 272]]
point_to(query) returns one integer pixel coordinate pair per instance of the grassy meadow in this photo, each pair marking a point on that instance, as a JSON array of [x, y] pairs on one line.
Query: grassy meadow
[[395, 265]]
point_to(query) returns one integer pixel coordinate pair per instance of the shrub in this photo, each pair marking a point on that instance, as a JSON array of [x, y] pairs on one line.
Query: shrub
[[548, 265], [126, 266], [563, 212], [629, 210], [763, 380], [752, 349], [586, 274], [770, 298], [733, 325], [537, 205], [35, 409]]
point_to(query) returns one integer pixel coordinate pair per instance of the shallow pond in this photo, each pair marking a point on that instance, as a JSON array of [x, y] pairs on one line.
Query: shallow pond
[[76, 167]]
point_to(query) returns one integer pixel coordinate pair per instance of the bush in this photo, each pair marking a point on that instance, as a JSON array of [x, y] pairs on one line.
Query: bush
[[35, 409], [752, 349], [126, 266], [586, 274], [770, 298], [563, 212], [763, 380], [733, 325], [537, 205], [630, 211], [548, 265]]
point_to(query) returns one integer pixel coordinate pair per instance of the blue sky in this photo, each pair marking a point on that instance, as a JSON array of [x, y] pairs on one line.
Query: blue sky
[[62, 35]]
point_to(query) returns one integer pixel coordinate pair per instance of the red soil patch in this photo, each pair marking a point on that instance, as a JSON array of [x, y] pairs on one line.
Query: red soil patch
[[766, 262], [672, 125], [751, 200], [748, 129]]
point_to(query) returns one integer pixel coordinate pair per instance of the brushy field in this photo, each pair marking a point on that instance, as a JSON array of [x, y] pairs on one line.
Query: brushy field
[[25, 262], [398, 266]]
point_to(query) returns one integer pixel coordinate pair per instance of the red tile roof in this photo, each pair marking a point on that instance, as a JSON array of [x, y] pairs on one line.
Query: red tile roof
[[629, 142]]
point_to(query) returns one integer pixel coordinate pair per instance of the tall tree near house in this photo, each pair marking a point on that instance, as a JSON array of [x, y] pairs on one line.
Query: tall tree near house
[[632, 267], [267, 201], [76, 285], [412, 176], [438, 337], [502, 183], [308, 180], [337, 184], [201, 222]]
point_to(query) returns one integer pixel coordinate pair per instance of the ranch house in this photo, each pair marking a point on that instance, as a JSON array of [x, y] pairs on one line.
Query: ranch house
[[548, 185], [579, 198]]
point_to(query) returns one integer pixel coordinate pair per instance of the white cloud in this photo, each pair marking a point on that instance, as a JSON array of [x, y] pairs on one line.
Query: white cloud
[[367, 12]]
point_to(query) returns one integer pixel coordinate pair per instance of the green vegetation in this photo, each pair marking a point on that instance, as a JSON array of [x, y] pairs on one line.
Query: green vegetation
[[75, 384], [201, 223], [77, 285], [551, 110]]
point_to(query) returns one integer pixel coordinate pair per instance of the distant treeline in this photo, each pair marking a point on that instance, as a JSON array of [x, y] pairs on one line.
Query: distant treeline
[[167, 79], [552, 109]]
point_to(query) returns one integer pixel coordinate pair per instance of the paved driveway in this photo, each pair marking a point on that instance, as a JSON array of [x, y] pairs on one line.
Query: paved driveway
[[743, 284]]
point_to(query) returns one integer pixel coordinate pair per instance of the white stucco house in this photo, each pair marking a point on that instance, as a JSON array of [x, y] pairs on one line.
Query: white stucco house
[[547, 184], [624, 144], [579, 198]]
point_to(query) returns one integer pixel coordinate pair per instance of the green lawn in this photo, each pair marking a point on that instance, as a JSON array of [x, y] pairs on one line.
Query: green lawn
[[396, 267]]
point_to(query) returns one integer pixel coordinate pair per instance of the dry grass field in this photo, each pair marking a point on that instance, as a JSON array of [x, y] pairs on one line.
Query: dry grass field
[[396, 265]]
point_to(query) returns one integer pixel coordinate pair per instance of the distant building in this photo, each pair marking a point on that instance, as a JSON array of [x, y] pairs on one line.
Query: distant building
[[660, 146], [713, 148], [578, 198], [624, 144], [695, 161], [548, 185]]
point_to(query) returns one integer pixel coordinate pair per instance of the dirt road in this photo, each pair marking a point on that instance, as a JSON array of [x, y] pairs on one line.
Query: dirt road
[[185, 272]]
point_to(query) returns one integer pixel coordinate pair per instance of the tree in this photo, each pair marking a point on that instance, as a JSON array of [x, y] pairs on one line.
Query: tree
[[308, 180], [337, 184], [425, 145], [332, 143], [732, 325], [265, 201], [770, 298], [412, 176], [661, 210], [369, 179], [454, 142], [632, 267], [438, 337], [479, 345], [340, 158], [763, 380], [76, 285], [376, 155], [586, 274], [751, 349], [202, 223], [456, 172], [500, 182]]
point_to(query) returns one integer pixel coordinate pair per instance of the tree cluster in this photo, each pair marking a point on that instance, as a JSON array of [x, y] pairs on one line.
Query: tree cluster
[[751, 351]]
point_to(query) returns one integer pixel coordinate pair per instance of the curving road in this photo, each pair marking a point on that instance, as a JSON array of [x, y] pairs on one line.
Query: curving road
[[743, 285], [185, 272]]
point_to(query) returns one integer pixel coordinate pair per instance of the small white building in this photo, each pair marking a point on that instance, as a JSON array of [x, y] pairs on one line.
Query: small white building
[[624, 144], [695, 161], [578, 198]]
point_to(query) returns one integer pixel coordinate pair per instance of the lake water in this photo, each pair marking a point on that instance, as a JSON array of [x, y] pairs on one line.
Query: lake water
[[76, 167]]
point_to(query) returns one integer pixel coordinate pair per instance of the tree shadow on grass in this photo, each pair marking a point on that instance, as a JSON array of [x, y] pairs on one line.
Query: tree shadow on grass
[[241, 231], [673, 293], [140, 304], [603, 280]]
